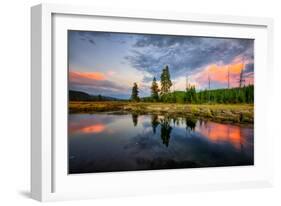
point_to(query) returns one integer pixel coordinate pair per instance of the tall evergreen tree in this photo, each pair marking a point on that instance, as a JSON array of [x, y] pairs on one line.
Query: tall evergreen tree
[[154, 90], [166, 82], [191, 95], [135, 93]]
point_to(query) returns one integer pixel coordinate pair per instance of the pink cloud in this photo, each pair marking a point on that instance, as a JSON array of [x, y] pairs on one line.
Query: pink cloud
[[218, 73], [87, 75], [93, 81]]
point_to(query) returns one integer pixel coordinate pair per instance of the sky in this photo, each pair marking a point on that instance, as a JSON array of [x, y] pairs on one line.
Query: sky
[[109, 63]]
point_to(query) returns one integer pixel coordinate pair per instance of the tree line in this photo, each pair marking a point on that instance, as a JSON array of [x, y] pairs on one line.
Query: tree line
[[241, 94]]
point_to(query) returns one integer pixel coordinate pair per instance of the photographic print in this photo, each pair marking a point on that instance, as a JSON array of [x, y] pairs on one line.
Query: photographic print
[[155, 101]]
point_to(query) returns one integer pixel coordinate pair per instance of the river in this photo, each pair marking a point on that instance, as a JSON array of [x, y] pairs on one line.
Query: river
[[107, 142]]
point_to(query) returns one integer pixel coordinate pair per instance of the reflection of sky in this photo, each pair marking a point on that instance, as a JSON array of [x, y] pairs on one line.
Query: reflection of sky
[[115, 142], [109, 63]]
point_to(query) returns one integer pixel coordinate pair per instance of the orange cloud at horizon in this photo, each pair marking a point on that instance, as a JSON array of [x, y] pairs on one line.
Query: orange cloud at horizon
[[219, 74], [87, 75]]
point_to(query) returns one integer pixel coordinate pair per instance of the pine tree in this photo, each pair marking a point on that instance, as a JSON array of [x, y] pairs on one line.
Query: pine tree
[[99, 97], [154, 90], [135, 93], [193, 95], [166, 82], [188, 95]]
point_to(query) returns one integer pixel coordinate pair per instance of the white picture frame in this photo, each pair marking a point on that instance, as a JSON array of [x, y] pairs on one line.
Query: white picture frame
[[49, 179]]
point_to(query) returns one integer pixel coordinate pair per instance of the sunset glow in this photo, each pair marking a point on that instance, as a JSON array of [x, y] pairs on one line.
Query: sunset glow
[[219, 74], [109, 63], [88, 75], [157, 101]]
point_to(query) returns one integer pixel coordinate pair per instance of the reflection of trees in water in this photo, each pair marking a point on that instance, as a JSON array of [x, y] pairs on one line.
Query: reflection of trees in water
[[166, 130], [176, 121], [154, 122], [190, 124], [200, 122], [135, 119]]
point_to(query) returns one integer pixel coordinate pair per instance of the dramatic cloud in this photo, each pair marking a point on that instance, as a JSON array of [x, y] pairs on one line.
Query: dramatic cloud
[[186, 55], [108, 63], [218, 75], [91, 36]]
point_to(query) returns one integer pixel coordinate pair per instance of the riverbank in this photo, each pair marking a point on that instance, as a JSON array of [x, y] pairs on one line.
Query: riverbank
[[236, 113]]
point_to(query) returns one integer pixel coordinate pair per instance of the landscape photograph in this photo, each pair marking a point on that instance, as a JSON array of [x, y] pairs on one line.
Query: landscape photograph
[[155, 101]]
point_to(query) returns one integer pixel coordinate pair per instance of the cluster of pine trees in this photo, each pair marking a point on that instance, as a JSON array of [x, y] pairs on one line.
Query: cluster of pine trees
[[156, 92], [244, 94]]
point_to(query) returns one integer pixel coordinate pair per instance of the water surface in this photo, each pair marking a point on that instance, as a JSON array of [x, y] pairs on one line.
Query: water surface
[[128, 142]]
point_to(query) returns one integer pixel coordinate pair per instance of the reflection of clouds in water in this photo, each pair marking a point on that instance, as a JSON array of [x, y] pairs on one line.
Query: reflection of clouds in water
[[146, 125], [187, 127], [193, 149], [95, 128], [186, 145], [142, 142], [182, 127], [126, 142], [89, 123], [223, 133]]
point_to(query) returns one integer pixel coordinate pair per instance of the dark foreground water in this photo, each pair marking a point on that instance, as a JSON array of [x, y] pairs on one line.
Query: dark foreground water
[[111, 142]]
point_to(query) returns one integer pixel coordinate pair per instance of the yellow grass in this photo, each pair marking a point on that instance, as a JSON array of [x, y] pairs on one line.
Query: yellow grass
[[241, 113]]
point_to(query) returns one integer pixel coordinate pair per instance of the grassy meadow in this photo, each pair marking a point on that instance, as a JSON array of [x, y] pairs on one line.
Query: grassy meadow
[[234, 113]]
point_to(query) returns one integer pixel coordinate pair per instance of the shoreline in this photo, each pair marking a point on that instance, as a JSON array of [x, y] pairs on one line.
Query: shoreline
[[233, 113]]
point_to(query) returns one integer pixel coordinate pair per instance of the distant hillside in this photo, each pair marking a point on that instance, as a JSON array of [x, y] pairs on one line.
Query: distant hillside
[[83, 96], [176, 96]]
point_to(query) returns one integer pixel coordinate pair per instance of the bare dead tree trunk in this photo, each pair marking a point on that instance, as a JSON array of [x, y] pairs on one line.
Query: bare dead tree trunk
[[228, 78], [186, 83], [209, 81], [241, 80]]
